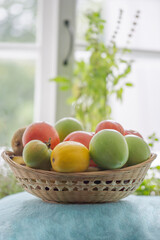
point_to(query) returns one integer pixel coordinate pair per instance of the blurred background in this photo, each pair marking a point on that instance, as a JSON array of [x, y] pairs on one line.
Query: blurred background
[[35, 42]]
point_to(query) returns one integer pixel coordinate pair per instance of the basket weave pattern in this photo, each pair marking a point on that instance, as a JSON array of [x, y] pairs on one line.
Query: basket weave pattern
[[91, 187]]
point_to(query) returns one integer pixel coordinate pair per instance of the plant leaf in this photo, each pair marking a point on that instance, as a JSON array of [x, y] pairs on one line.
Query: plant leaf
[[119, 93], [60, 79], [150, 144], [128, 84]]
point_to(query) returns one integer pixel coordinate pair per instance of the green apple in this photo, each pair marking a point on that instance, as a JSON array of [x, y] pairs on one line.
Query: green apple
[[36, 154], [108, 149], [139, 150], [67, 125]]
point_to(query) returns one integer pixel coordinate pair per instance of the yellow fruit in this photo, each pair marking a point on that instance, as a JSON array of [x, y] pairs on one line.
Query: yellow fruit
[[70, 157], [19, 160], [93, 169]]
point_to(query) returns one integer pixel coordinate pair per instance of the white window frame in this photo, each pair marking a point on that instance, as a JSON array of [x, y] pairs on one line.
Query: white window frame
[[48, 52]]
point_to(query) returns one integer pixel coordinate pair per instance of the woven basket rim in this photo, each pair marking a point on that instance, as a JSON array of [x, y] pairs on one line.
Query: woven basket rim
[[6, 156]]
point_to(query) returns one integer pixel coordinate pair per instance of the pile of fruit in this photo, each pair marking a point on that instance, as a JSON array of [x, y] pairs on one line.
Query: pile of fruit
[[66, 147]]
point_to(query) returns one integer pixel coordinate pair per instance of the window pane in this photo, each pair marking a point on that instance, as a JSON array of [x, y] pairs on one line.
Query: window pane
[[17, 20], [16, 91]]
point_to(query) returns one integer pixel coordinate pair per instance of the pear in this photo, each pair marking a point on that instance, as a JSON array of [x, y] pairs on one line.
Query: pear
[[16, 142]]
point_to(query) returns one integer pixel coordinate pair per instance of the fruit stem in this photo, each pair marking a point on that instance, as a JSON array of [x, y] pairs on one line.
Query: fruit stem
[[48, 143]]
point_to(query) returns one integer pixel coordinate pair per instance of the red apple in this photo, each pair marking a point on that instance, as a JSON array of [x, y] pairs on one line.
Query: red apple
[[109, 124], [41, 131], [80, 136], [132, 132]]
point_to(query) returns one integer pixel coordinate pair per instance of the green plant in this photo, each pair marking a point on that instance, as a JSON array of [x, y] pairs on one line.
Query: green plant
[[8, 182], [151, 183], [152, 139], [96, 80]]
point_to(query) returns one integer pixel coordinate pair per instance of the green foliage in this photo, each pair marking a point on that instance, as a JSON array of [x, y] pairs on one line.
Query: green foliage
[[8, 185], [103, 75], [8, 182], [16, 91], [17, 23], [63, 82], [152, 139], [151, 184], [16, 80]]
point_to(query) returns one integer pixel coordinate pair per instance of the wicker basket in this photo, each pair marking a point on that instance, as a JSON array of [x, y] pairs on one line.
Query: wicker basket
[[84, 187]]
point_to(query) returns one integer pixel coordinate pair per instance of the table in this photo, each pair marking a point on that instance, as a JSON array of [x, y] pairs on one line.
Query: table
[[26, 217]]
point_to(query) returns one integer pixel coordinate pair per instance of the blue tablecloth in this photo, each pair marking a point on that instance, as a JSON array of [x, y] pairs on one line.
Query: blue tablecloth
[[25, 217]]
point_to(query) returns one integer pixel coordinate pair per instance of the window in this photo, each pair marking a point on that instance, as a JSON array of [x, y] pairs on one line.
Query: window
[[17, 21], [16, 91], [139, 109], [17, 65], [34, 42]]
